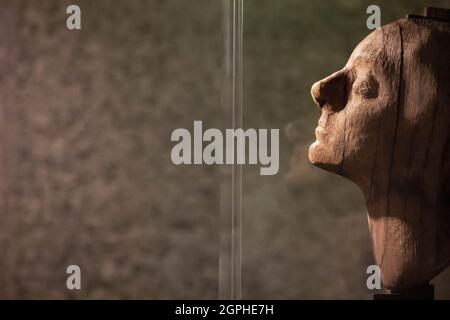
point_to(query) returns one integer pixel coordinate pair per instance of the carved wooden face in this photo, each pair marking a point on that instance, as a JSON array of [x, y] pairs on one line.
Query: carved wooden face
[[354, 102], [385, 125]]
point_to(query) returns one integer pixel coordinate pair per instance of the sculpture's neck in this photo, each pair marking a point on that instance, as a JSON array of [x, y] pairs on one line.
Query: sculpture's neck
[[410, 234]]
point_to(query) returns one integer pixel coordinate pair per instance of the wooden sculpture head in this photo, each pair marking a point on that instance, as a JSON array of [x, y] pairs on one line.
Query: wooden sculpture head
[[385, 125]]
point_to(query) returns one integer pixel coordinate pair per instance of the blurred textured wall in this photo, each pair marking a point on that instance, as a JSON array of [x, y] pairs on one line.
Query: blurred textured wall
[[85, 171], [88, 178]]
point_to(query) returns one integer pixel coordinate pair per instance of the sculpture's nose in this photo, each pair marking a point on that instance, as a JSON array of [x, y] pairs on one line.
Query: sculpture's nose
[[331, 91]]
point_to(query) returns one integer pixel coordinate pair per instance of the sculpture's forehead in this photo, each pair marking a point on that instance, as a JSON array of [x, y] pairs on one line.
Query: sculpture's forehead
[[368, 50]]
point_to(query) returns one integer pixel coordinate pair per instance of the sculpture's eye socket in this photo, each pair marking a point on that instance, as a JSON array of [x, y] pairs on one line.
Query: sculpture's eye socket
[[366, 87]]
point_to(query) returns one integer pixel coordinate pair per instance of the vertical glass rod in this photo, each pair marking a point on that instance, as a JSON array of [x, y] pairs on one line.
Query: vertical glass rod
[[230, 255]]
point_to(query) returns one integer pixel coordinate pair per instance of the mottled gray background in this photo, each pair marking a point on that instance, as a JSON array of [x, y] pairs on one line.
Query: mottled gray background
[[85, 170]]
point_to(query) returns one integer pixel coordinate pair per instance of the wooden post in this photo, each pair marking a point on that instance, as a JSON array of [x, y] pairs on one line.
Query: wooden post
[[425, 292]]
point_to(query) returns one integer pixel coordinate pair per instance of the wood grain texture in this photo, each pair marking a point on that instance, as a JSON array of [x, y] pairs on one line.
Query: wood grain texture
[[385, 125]]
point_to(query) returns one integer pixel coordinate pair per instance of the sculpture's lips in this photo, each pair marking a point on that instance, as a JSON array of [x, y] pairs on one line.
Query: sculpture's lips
[[320, 132]]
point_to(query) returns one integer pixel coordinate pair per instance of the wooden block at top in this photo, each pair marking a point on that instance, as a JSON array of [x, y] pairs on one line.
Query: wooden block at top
[[437, 13]]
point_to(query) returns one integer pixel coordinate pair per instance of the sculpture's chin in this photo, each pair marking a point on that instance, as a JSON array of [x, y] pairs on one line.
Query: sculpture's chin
[[321, 157]]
